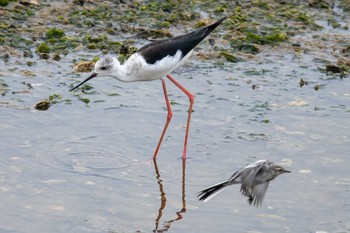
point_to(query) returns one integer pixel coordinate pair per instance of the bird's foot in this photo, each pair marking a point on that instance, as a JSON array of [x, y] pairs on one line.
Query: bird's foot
[[250, 199]]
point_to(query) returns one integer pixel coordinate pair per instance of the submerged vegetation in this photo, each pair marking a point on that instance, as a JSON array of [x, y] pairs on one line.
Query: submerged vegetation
[[51, 100], [51, 30], [99, 25]]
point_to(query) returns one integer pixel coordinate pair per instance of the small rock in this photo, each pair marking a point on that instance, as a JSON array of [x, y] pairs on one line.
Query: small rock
[[56, 57], [44, 56], [302, 82], [27, 53], [43, 105], [5, 57], [211, 42], [249, 48], [79, 2], [333, 69]]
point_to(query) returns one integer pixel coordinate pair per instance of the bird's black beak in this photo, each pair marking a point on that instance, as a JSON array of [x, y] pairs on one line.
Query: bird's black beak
[[88, 78], [286, 171]]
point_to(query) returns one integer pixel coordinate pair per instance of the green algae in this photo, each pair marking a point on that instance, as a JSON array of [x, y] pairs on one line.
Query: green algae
[[125, 52], [43, 48], [266, 38], [321, 4], [4, 3], [251, 22], [54, 33], [84, 100], [107, 27], [230, 57]]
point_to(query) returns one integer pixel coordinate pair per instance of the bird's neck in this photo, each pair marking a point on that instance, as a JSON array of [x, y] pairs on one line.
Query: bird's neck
[[119, 71], [124, 72]]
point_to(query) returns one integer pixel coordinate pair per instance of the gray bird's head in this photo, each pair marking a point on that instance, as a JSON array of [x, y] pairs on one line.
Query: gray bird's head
[[278, 170]]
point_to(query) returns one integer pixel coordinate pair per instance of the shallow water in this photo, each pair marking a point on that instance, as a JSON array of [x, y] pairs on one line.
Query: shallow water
[[88, 168]]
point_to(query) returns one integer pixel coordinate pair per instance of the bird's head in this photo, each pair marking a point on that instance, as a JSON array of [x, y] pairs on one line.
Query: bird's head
[[279, 169], [103, 67]]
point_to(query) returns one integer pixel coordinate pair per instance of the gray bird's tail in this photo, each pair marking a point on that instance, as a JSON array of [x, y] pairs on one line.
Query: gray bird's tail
[[208, 193]]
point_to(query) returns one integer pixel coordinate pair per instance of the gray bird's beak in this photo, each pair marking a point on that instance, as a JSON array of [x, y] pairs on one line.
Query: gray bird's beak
[[88, 78], [286, 171]]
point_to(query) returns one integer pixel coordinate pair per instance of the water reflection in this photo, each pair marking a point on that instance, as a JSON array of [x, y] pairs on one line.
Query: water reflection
[[167, 224]]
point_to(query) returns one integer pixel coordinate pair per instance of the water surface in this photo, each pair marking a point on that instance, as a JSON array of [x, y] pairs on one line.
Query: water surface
[[88, 167]]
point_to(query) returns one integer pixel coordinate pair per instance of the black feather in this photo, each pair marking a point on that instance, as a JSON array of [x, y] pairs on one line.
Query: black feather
[[206, 193], [155, 51]]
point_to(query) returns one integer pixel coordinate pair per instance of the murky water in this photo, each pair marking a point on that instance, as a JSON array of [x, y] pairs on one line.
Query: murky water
[[88, 168]]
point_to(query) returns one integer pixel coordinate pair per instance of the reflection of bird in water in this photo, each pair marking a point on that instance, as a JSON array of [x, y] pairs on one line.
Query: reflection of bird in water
[[167, 224], [154, 61], [254, 179]]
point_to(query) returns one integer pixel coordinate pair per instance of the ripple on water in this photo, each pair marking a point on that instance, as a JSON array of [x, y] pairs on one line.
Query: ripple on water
[[101, 162]]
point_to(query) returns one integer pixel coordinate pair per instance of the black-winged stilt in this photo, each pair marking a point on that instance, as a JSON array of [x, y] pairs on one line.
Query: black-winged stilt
[[155, 61]]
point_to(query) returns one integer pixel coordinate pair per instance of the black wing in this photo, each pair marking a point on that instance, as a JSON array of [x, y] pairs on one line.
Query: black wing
[[155, 51]]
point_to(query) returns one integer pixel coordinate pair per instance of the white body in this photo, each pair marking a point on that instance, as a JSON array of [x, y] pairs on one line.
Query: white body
[[136, 69]]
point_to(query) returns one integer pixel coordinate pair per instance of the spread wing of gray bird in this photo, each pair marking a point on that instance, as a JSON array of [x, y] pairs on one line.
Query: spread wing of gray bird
[[254, 179], [258, 193]]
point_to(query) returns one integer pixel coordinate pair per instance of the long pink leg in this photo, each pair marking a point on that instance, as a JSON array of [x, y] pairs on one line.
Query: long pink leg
[[191, 97], [169, 116]]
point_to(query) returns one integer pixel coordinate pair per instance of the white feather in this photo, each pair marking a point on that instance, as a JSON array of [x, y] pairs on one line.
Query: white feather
[[137, 69]]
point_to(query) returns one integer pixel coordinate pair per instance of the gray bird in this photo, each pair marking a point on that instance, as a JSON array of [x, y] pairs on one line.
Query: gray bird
[[254, 179]]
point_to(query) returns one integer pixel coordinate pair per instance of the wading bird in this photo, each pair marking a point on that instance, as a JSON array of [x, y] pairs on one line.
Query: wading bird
[[155, 61]]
